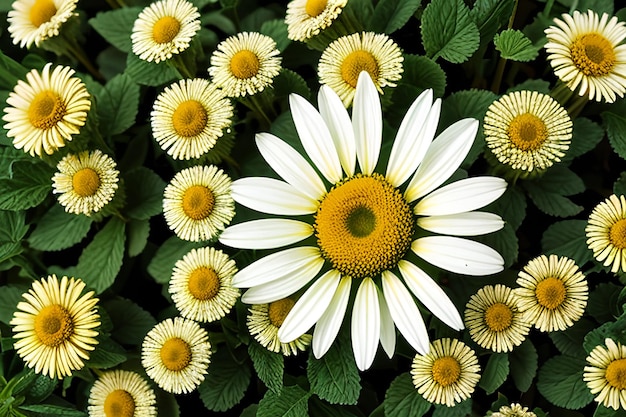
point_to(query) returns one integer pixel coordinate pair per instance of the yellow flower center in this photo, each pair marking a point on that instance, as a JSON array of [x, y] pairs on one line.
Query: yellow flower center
[[278, 311], [244, 64], [315, 7], [175, 354], [364, 226], [616, 374], [46, 110], [198, 202], [617, 234], [498, 317], [356, 62], [86, 182], [550, 293], [53, 325], [593, 54], [165, 29], [190, 118], [119, 403], [527, 132], [41, 12], [446, 371], [203, 283]]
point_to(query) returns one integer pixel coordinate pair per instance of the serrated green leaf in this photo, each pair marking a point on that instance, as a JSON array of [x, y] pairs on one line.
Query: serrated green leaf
[[117, 105], [491, 15], [604, 302], [552, 203], [107, 354], [138, 232], [291, 402], [585, 136], [540, 86], [42, 388], [511, 206], [168, 407], [619, 186], [496, 372], [149, 73], [101, 260], [9, 297], [52, 410], [560, 380], [144, 193], [269, 366], [602, 411], [277, 30], [29, 186], [461, 409], [8, 156], [402, 399], [58, 230], [567, 238], [226, 382], [116, 26], [288, 82], [173, 249], [10, 72], [12, 227], [391, 15], [570, 341], [504, 241], [448, 31], [130, 321], [615, 126], [615, 330], [515, 46], [560, 180], [523, 364], [421, 72], [319, 408]]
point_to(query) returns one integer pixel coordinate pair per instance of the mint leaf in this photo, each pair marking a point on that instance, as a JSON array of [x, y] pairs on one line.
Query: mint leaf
[[496, 372], [130, 322], [567, 238], [138, 232], [173, 249], [144, 193], [290, 402], [514, 45], [58, 230], [29, 186], [269, 366], [226, 382], [523, 365], [391, 15], [616, 130], [116, 26], [118, 103], [560, 380], [402, 399]]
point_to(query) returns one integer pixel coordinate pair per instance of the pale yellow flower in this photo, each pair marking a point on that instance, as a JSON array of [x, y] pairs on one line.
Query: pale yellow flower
[[34, 21], [307, 18], [121, 393], [606, 232], [605, 374]]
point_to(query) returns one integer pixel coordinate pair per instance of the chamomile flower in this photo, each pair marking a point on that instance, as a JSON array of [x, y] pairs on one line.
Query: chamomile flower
[[34, 21], [606, 232], [514, 410], [307, 18], [605, 374], [121, 393]]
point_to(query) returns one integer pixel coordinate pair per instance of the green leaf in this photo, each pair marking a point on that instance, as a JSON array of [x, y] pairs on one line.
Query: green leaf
[[514, 45], [615, 330], [559, 180], [30, 185], [560, 380], [173, 249], [423, 73], [52, 410], [461, 409], [523, 364], [619, 186], [10, 72], [12, 230], [496, 372], [550, 202], [615, 126], [570, 341], [567, 238], [291, 402], [402, 399], [107, 354], [226, 382], [391, 15], [138, 232], [130, 322], [144, 193], [116, 26], [9, 297], [602, 411], [277, 30], [41, 388], [149, 73], [511, 206], [540, 86], [288, 82], [101, 260], [319, 408], [585, 136], [58, 230], [448, 31], [8, 156], [604, 302], [117, 105], [491, 15], [269, 366]]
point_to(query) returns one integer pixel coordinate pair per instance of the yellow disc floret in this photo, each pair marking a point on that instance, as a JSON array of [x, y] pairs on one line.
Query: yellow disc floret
[[593, 54]]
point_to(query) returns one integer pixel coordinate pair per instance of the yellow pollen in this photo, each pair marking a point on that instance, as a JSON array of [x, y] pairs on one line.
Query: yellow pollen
[[190, 118], [86, 182], [527, 132], [203, 283], [617, 234], [593, 54], [119, 403], [46, 110], [175, 354], [355, 63], [498, 317], [315, 7], [53, 325], [278, 311], [198, 202], [165, 29], [244, 64], [616, 374], [550, 293], [446, 371], [364, 226], [41, 12]]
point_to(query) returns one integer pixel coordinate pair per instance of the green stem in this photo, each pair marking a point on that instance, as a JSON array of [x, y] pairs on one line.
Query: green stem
[[253, 104], [75, 51], [576, 106], [548, 7], [113, 4], [497, 79]]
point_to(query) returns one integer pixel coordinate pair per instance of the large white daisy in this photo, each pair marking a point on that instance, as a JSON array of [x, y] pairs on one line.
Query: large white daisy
[[364, 223]]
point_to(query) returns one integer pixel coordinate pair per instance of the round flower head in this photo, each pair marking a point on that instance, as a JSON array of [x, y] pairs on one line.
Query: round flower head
[[163, 29], [447, 374], [197, 204], [344, 59], [307, 18], [34, 21], [553, 292], [527, 130], [45, 111], [360, 229], [515, 410], [605, 374], [245, 64], [54, 327], [201, 285], [494, 320], [585, 51], [121, 394], [176, 355], [86, 182], [606, 232], [189, 116]]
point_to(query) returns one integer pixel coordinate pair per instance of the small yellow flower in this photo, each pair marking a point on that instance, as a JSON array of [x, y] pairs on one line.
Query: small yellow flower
[[515, 410], [605, 374], [121, 394], [307, 18], [606, 232], [34, 21]]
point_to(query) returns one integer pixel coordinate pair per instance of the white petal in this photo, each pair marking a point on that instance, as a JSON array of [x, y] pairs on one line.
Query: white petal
[[315, 138], [405, 313], [387, 328], [272, 196], [430, 294], [367, 122], [329, 324], [460, 196], [340, 126], [278, 289], [463, 224], [365, 326], [415, 135], [290, 165], [310, 307], [265, 233], [278, 265], [443, 157], [457, 255]]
